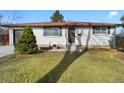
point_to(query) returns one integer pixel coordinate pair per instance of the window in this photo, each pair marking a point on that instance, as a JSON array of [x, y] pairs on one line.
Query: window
[[96, 30], [52, 31], [17, 33], [100, 30], [103, 30]]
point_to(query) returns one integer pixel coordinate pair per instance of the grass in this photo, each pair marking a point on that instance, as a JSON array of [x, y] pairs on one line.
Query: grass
[[88, 66]]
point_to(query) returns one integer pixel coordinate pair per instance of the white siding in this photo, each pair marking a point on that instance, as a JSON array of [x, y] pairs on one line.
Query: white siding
[[87, 36], [92, 39], [46, 40]]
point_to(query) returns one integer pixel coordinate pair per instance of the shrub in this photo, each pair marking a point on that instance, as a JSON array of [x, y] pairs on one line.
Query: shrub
[[27, 42]]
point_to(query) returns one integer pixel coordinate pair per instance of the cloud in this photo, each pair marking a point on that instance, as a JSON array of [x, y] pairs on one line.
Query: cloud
[[113, 13]]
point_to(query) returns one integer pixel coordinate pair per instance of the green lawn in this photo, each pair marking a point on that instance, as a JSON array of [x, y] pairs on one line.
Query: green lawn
[[88, 66]]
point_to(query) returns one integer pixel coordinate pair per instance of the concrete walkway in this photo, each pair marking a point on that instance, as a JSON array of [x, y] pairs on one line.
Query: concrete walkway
[[6, 50], [68, 48]]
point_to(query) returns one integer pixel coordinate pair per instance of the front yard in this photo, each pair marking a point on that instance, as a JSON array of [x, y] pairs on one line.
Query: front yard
[[88, 66]]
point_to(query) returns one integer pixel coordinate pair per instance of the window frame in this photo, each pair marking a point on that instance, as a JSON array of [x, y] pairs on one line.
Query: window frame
[[100, 32], [52, 29]]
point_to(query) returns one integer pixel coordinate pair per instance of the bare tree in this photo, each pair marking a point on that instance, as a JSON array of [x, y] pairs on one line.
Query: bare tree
[[7, 18], [10, 18], [1, 18]]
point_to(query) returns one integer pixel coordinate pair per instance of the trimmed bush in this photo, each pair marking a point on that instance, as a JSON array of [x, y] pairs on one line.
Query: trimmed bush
[[27, 42]]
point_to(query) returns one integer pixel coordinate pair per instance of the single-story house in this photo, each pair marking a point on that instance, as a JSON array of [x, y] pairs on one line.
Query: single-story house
[[64, 33]]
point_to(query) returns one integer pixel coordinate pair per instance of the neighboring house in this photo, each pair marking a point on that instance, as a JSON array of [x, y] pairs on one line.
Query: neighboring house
[[63, 33]]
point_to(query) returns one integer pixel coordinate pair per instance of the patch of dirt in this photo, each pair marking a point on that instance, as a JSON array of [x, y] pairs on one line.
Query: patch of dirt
[[99, 49], [120, 57], [96, 50]]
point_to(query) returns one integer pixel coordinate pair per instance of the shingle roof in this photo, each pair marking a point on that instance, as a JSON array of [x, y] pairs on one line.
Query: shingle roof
[[62, 24]]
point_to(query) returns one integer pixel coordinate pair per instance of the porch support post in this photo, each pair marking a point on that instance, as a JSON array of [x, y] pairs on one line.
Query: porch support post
[[10, 36]]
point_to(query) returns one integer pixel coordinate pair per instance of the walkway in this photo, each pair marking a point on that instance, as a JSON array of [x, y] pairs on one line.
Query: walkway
[[6, 50]]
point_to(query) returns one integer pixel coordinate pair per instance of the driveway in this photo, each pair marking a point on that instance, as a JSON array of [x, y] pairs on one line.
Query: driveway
[[6, 50]]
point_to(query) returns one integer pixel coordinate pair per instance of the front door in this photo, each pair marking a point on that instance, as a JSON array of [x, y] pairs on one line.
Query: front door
[[71, 35]]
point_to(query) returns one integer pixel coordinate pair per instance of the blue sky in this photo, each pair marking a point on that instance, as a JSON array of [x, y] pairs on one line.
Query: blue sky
[[112, 16]]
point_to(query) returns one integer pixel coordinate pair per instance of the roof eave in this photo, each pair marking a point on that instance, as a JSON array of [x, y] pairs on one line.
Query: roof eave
[[65, 25]]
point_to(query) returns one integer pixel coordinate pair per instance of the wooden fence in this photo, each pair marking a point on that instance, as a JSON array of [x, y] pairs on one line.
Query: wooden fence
[[120, 43], [4, 38]]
